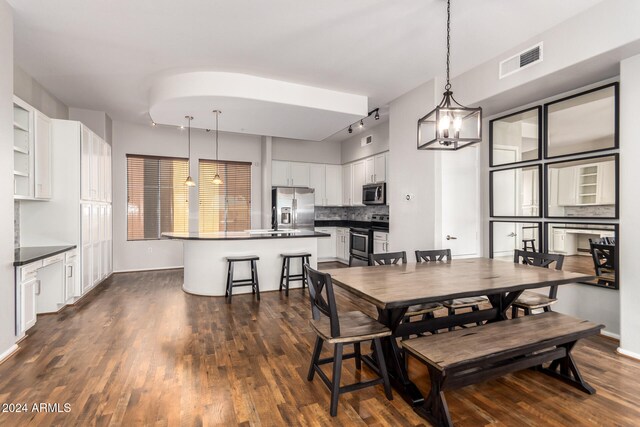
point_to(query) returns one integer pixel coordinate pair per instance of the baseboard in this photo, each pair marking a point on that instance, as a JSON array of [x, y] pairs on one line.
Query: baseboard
[[628, 353], [610, 335], [136, 270], [7, 354]]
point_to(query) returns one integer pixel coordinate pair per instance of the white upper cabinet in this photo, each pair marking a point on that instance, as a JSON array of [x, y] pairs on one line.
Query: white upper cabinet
[[359, 179], [299, 174], [347, 187], [42, 157], [380, 172], [85, 163], [370, 170], [317, 181], [333, 185], [289, 174]]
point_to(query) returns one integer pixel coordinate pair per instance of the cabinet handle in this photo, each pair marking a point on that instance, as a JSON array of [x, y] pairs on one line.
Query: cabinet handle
[[69, 271], [37, 287]]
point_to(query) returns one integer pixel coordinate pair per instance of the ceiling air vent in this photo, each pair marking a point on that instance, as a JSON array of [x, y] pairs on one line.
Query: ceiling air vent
[[522, 60], [366, 140]]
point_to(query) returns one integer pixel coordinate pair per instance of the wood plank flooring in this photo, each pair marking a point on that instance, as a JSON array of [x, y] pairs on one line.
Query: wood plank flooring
[[140, 351]]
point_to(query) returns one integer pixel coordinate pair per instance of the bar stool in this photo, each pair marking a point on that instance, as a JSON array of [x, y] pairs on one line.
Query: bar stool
[[286, 277], [529, 245], [253, 282]]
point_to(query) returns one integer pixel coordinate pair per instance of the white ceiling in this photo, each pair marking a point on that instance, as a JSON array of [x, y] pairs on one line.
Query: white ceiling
[[105, 54]]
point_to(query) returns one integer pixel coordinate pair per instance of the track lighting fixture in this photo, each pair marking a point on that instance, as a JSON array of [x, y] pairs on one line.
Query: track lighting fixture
[[361, 122]]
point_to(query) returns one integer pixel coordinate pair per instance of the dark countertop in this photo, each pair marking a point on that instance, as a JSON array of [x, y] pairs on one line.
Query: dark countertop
[[345, 223], [582, 228], [26, 255], [244, 235]]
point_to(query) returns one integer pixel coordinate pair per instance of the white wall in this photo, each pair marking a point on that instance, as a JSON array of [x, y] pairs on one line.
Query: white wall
[[98, 121], [7, 297], [32, 92], [412, 222], [629, 206], [131, 138], [296, 150], [352, 150]]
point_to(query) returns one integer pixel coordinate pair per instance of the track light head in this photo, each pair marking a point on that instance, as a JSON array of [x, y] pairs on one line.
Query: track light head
[[350, 129], [361, 123], [377, 116]]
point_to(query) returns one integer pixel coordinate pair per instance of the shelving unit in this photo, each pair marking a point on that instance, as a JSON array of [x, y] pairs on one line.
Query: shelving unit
[[588, 185], [22, 149]]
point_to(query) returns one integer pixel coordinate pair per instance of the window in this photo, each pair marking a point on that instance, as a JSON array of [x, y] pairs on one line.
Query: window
[[157, 198], [227, 206]]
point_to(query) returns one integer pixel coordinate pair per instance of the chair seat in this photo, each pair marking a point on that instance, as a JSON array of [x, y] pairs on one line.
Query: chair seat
[[296, 255], [355, 326], [533, 300], [465, 302], [417, 310], [243, 258]]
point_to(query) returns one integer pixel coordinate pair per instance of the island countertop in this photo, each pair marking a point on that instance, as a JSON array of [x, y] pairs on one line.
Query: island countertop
[[246, 235]]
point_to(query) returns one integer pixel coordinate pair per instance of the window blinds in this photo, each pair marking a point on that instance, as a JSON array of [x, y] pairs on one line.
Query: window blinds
[[157, 197], [225, 207]]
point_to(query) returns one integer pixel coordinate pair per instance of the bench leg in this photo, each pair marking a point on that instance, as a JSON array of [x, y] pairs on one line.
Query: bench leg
[[569, 371], [435, 408]]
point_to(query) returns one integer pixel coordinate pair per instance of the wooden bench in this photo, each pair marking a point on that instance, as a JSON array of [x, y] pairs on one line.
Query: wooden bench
[[469, 356]]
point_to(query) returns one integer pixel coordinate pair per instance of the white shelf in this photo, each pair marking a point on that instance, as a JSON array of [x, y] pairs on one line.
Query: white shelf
[[20, 150], [17, 125]]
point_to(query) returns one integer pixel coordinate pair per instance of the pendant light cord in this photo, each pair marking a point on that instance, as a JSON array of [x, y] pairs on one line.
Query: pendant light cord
[[217, 114], [448, 85]]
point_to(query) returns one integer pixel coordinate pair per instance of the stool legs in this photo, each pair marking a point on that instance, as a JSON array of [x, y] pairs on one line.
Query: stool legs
[[254, 277], [286, 292], [284, 263], [229, 292], [285, 273], [253, 282]]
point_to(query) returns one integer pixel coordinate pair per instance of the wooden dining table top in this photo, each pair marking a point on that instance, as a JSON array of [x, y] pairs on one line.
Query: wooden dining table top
[[404, 285]]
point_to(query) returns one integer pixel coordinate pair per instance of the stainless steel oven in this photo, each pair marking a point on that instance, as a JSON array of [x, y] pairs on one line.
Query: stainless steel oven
[[360, 243], [374, 194]]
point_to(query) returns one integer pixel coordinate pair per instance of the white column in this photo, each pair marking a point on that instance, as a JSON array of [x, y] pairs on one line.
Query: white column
[[266, 156], [629, 268]]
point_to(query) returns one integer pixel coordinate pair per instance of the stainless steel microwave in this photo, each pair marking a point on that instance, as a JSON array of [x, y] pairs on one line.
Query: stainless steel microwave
[[374, 194]]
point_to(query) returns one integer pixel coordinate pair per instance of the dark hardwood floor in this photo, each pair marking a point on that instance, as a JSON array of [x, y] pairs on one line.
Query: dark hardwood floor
[[140, 351]]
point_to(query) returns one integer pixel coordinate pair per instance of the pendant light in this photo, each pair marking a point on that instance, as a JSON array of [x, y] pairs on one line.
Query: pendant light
[[189, 182], [451, 125], [216, 178]]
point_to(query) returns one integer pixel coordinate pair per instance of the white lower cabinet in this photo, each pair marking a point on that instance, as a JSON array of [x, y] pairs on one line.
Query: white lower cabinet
[[342, 244], [28, 306], [70, 280], [327, 245], [380, 242]]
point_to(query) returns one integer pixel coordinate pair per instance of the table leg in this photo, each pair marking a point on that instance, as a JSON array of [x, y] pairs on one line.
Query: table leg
[[394, 358], [502, 302]]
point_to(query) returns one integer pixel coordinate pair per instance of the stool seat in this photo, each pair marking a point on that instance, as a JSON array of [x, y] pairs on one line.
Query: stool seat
[[243, 258], [296, 255]]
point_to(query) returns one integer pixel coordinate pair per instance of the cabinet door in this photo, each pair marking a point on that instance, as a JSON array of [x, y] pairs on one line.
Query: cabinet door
[[379, 246], [299, 174], [28, 302], [87, 261], [606, 184], [96, 167], [380, 172], [359, 179], [558, 241], [333, 185], [107, 174], [317, 182], [42, 144], [327, 245], [340, 241], [370, 170], [85, 164], [280, 173], [70, 280], [567, 187], [347, 178]]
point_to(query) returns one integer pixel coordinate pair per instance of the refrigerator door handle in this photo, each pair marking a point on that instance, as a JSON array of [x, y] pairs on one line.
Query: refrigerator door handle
[[294, 208]]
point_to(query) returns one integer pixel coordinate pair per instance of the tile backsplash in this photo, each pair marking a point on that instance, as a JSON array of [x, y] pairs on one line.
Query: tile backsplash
[[604, 211], [352, 213]]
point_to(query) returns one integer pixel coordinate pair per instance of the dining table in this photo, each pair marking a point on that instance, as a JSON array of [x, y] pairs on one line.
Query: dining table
[[393, 288]]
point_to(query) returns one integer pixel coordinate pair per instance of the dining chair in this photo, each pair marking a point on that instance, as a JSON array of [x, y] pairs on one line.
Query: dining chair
[[603, 254], [458, 303], [530, 300], [352, 327], [424, 310]]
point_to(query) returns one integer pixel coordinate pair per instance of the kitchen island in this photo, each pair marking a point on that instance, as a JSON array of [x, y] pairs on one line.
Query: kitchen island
[[205, 265]]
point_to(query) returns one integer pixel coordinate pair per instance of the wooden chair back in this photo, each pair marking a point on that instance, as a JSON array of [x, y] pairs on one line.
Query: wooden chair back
[[603, 255], [539, 259], [388, 258], [323, 301], [433, 255]]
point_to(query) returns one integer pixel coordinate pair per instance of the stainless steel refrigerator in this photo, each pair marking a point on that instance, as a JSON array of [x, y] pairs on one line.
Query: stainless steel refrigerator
[[292, 208]]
